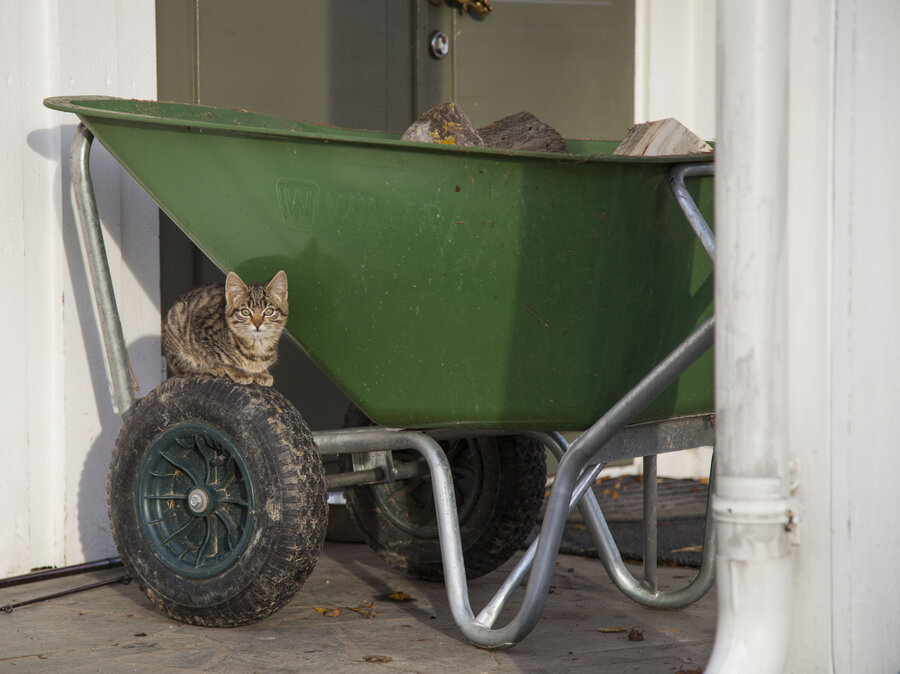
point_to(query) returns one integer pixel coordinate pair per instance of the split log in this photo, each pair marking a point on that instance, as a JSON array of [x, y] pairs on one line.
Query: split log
[[659, 138]]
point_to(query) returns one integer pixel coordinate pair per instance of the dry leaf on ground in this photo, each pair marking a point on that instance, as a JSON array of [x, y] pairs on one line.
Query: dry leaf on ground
[[688, 548], [363, 610], [328, 612]]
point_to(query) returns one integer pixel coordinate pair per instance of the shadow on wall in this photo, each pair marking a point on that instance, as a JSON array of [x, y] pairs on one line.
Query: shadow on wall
[[85, 514], [93, 492], [109, 182]]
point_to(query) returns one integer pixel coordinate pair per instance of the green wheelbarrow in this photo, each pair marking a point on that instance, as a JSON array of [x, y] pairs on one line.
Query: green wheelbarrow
[[472, 304]]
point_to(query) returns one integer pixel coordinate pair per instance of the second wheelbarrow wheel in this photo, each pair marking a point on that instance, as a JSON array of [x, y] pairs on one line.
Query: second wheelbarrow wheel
[[217, 500], [499, 484]]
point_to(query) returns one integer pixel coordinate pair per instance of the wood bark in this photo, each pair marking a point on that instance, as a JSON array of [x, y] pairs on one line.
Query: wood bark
[[522, 131]]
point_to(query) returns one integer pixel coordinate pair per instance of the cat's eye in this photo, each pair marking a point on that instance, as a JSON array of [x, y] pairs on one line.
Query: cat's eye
[[245, 311], [269, 311]]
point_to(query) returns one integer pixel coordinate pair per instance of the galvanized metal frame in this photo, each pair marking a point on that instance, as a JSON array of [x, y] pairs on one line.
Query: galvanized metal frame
[[98, 266], [579, 464]]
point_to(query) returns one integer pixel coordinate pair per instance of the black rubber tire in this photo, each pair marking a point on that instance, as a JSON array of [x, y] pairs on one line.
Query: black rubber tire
[[497, 514], [249, 453]]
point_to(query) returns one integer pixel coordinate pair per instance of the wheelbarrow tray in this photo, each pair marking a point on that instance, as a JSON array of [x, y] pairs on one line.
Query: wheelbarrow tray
[[437, 285]]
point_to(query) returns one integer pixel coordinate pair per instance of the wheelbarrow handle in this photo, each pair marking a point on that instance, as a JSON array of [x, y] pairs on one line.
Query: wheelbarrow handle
[[689, 207]]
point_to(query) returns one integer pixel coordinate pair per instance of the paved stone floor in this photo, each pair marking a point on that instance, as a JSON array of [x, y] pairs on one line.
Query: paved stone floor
[[585, 627]]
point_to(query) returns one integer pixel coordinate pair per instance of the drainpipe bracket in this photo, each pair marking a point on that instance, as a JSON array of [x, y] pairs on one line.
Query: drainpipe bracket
[[742, 511]]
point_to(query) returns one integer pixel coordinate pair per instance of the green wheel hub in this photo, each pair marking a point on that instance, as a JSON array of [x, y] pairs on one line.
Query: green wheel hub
[[195, 500], [409, 504]]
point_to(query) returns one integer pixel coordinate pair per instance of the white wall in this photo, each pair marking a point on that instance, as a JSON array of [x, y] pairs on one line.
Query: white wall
[[811, 250], [56, 413], [844, 286]]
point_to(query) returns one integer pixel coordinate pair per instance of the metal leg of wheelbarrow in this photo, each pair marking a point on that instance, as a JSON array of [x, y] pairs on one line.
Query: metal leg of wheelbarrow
[[563, 494], [98, 266], [645, 591]]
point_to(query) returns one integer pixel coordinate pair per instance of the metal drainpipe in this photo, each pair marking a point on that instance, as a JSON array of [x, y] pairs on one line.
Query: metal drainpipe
[[751, 503]]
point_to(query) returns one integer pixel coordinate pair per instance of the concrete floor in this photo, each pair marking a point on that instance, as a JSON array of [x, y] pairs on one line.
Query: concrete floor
[[114, 628]]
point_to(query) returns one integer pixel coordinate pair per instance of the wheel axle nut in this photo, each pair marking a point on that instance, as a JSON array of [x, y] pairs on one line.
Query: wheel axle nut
[[198, 500]]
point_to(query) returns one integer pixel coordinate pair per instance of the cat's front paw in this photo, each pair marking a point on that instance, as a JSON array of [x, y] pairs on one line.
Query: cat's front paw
[[241, 378], [264, 379]]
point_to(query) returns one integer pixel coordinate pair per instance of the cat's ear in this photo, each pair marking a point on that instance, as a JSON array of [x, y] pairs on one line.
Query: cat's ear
[[278, 286], [234, 288]]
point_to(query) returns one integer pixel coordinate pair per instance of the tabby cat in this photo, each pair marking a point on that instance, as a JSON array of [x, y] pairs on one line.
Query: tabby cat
[[227, 329]]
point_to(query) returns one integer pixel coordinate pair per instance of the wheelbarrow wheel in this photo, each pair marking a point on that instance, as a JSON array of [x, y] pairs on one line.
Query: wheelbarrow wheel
[[498, 483], [217, 500]]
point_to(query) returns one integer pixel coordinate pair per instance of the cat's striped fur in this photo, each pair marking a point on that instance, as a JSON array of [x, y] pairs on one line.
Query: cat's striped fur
[[229, 328]]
